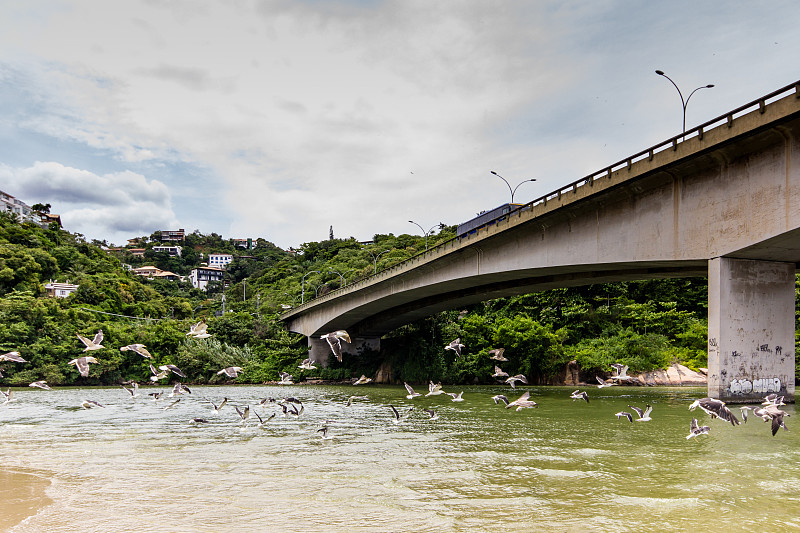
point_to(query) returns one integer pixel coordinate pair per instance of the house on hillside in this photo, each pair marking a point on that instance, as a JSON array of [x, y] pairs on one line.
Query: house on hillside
[[136, 252], [14, 205], [172, 235], [152, 272], [173, 251], [45, 219], [59, 290], [219, 260], [202, 276]]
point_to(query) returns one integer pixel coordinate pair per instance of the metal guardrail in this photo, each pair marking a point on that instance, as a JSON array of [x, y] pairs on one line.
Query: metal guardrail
[[671, 143]]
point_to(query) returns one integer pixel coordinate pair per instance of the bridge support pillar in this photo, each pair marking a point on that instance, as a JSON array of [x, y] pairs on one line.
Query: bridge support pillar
[[321, 351], [751, 329]]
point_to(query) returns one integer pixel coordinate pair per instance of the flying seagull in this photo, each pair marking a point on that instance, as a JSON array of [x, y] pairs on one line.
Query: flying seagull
[[603, 383], [434, 389], [133, 391], [523, 402], [40, 384], [500, 398], [82, 364], [497, 354], [624, 414], [243, 414], [307, 365], [220, 406], [351, 398], [88, 404], [397, 417], [335, 342], [196, 329], [178, 389], [456, 397], [231, 371], [644, 416], [172, 368], [695, 429], [513, 380], [578, 395], [138, 348], [411, 393], [12, 356], [456, 346], [93, 344], [772, 413], [498, 373], [286, 378], [261, 421], [8, 396], [156, 374], [362, 380], [715, 408], [432, 414]]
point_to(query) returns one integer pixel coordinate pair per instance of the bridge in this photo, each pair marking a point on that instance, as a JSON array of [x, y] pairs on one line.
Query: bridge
[[721, 200]]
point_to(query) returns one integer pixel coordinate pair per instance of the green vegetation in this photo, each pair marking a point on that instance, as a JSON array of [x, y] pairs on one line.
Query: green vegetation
[[647, 325]]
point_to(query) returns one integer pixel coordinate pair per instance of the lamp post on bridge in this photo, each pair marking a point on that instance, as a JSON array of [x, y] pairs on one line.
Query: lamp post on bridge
[[303, 285], [425, 232], [375, 258], [514, 190], [344, 281], [684, 103]]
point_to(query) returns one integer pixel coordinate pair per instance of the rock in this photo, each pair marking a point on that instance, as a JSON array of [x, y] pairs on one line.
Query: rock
[[384, 374], [674, 376], [571, 377]]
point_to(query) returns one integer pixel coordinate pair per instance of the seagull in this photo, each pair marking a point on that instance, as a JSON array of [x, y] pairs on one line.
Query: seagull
[[455, 346], [620, 372], [231, 371], [88, 404], [172, 368], [644, 416], [199, 421], [773, 399], [362, 380], [155, 395], [578, 395], [744, 409], [203, 335], [93, 344], [178, 389], [220, 406], [695, 429], [434, 390], [397, 417], [351, 398], [335, 342], [513, 380], [82, 364], [307, 365], [497, 354], [775, 414], [456, 397], [500, 398], [498, 373], [411, 393], [626, 415], [286, 379], [138, 348], [245, 414], [715, 408], [603, 383], [40, 384], [156, 374], [8, 395], [170, 406], [432, 414], [261, 421], [196, 329], [522, 402], [12, 356], [133, 391], [324, 432]]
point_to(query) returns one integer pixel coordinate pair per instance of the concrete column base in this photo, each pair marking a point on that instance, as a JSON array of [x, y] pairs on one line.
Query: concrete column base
[[751, 329], [321, 350]]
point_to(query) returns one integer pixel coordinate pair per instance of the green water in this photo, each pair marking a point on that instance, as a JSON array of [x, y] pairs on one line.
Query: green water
[[565, 466]]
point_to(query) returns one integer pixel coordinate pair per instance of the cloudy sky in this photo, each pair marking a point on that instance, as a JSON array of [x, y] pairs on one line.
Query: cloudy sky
[[280, 118]]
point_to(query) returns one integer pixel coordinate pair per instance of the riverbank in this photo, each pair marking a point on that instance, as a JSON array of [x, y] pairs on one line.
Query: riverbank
[[22, 495]]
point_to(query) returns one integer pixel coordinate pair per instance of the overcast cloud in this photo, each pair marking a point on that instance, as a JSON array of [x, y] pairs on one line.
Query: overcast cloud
[[278, 119]]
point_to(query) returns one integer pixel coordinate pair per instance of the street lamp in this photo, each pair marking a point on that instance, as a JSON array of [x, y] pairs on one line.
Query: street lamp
[[344, 281], [425, 232], [303, 285], [684, 103], [317, 288], [375, 258], [514, 190]]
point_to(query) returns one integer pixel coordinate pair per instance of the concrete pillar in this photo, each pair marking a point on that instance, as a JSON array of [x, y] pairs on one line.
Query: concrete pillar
[[751, 323], [321, 350]]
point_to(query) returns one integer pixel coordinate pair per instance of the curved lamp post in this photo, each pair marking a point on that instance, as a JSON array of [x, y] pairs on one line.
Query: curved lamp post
[[303, 285], [684, 103], [375, 258], [344, 281], [514, 190], [425, 232], [318, 287]]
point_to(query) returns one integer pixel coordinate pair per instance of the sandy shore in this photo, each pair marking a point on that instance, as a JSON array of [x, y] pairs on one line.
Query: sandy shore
[[22, 494]]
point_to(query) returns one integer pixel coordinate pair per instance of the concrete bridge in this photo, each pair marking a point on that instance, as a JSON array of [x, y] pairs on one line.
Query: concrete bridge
[[721, 200]]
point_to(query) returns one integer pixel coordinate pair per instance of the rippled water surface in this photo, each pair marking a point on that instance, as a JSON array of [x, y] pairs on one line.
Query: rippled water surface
[[566, 466]]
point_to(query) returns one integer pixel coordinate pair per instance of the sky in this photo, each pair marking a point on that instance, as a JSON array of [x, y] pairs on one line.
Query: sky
[[279, 119]]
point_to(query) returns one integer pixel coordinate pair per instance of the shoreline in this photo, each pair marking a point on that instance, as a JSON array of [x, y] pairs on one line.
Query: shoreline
[[23, 493]]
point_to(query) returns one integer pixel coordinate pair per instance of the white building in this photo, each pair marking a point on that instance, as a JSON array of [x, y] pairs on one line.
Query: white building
[[12, 205], [60, 290], [219, 260], [202, 276], [173, 251]]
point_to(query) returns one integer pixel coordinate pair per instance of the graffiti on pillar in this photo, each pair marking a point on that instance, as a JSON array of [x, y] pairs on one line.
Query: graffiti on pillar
[[778, 350], [712, 343], [764, 348], [758, 386], [735, 353]]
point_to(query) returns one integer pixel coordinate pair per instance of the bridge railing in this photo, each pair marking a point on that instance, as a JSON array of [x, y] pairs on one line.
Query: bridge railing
[[648, 153]]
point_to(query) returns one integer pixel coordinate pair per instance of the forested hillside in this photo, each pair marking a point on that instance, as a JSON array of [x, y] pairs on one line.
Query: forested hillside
[[646, 324]]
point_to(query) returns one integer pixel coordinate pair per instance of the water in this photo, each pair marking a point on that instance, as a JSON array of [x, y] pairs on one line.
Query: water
[[566, 466]]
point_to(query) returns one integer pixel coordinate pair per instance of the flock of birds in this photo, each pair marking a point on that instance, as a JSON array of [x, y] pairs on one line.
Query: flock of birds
[[769, 411]]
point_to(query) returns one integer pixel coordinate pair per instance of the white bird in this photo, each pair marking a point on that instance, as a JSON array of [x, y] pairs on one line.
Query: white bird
[[216, 407], [432, 414], [286, 379], [231, 371], [744, 409], [644, 416], [133, 391], [513, 380], [42, 384], [172, 368], [243, 414], [523, 402], [397, 417], [715, 408], [500, 398], [411, 393], [362, 380], [695, 429], [772, 413], [197, 329], [497, 354], [179, 388], [456, 346], [93, 344], [773, 399], [603, 383], [578, 395], [173, 404], [138, 348], [625, 414], [456, 397], [620, 372], [82, 364], [88, 404], [498, 373], [307, 365], [156, 374], [261, 421], [351, 398], [434, 390], [8, 396], [12, 356], [335, 342]]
